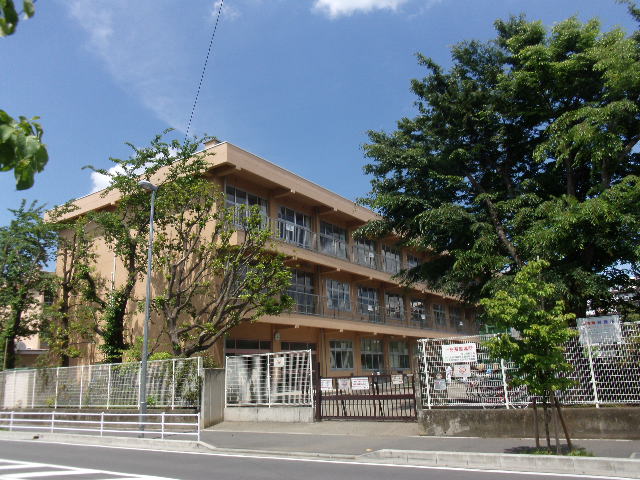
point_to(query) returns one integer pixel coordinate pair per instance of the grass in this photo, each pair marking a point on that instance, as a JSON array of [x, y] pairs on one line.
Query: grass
[[576, 452]]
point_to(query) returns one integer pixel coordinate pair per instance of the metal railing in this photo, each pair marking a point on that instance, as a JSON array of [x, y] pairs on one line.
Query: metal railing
[[171, 383], [159, 425], [458, 371], [357, 310], [269, 379]]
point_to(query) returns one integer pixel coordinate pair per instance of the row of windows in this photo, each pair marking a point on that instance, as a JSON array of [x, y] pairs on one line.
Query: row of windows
[[371, 354], [295, 227], [339, 298]]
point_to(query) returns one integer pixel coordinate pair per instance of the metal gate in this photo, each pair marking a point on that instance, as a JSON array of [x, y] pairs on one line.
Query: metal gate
[[376, 397]]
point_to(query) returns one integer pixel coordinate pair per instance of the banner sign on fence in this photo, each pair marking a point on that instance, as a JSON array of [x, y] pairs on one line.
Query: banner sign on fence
[[440, 384], [461, 370], [344, 384], [459, 353], [397, 379], [326, 384], [359, 383], [600, 330], [278, 362]]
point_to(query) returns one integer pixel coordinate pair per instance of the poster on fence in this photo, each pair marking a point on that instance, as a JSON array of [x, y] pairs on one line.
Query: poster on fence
[[359, 383], [344, 384], [461, 370], [397, 379], [326, 384], [440, 384], [599, 330], [459, 353]]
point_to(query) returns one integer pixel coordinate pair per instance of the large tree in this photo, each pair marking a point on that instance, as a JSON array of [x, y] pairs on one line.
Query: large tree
[[524, 148], [21, 147], [26, 245], [213, 268]]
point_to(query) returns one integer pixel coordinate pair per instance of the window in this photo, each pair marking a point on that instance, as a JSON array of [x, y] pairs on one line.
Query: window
[[302, 292], [333, 240], [338, 297], [455, 317], [341, 354], [239, 346], [391, 259], [294, 227], [394, 305], [298, 346], [368, 303], [419, 312], [365, 253], [241, 201], [371, 354], [438, 314], [399, 355], [412, 261]]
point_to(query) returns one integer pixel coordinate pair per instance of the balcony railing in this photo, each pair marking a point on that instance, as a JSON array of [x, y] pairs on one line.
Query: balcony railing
[[304, 237], [356, 310]]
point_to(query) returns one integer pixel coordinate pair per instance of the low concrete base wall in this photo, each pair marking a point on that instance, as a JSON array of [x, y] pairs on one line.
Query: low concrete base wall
[[621, 423], [266, 414]]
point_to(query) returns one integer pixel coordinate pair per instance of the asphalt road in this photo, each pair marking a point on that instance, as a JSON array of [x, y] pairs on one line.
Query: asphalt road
[[54, 461]]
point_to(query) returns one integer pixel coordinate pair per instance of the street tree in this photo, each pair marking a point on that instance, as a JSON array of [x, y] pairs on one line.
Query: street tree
[[21, 147], [213, 267], [26, 246], [525, 148], [531, 307]]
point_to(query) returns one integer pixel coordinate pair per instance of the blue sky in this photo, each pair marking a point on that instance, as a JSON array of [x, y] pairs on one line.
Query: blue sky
[[298, 82]]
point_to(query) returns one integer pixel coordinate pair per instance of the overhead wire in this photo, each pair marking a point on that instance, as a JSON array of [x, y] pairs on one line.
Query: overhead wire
[[204, 69]]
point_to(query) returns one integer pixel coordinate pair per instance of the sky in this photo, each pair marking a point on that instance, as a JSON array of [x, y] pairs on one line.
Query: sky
[[297, 82]]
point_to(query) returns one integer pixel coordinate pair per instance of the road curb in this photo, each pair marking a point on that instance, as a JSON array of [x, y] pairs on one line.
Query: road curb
[[594, 466]]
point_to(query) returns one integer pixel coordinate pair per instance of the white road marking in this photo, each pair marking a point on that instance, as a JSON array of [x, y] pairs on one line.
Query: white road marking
[[51, 470], [316, 460]]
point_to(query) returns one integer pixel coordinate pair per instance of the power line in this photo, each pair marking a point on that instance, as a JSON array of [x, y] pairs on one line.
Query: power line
[[204, 69]]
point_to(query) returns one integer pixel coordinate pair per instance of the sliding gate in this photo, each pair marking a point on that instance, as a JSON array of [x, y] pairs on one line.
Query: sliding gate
[[377, 397]]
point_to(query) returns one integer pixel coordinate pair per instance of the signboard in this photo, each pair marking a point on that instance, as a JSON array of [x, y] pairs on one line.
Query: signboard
[[344, 384], [278, 362], [599, 330], [440, 385], [359, 383], [397, 379], [326, 384], [461, 370], [459, 353]]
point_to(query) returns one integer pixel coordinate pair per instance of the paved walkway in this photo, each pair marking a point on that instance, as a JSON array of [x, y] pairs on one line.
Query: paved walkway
[[356, 438]]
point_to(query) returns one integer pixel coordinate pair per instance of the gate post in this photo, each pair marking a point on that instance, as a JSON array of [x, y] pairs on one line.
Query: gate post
[[504, 383], [318, 395], [426, 374], [593, 375]]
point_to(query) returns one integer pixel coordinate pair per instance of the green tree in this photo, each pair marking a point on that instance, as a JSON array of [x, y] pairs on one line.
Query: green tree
[[21, 147], [73, 316], [525, 148], [210, 276], [531, 307], [25, 248]]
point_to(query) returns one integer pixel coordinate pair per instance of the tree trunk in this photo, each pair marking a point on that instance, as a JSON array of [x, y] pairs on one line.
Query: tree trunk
[[546, 421], [536, 427], [563, 423]]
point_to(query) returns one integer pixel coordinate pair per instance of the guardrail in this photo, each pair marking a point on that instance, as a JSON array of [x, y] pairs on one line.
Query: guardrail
[[161, 425]]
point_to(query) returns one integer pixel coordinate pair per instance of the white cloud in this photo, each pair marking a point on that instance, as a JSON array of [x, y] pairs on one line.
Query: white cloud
[[337, 8], [100, 181], [228, 12]]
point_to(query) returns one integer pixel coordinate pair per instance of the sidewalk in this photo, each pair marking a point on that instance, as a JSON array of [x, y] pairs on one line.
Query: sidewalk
[[361, 438]]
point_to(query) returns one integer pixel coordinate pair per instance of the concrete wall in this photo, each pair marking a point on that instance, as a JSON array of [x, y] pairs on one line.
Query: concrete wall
[[266, 414], [212, 406], [618, 422]]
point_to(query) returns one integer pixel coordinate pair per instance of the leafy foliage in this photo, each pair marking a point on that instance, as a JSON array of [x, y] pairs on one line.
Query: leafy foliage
[[531, 307], [21, 147], [524, 149], [25, 248]]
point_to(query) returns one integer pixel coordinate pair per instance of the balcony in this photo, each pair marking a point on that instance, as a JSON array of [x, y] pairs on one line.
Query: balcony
[[304, 237], [358, 310]]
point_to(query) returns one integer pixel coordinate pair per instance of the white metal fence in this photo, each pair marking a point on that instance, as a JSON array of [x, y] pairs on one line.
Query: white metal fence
[[459, 372], [172, 383], [269, 379], [154, 425]]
